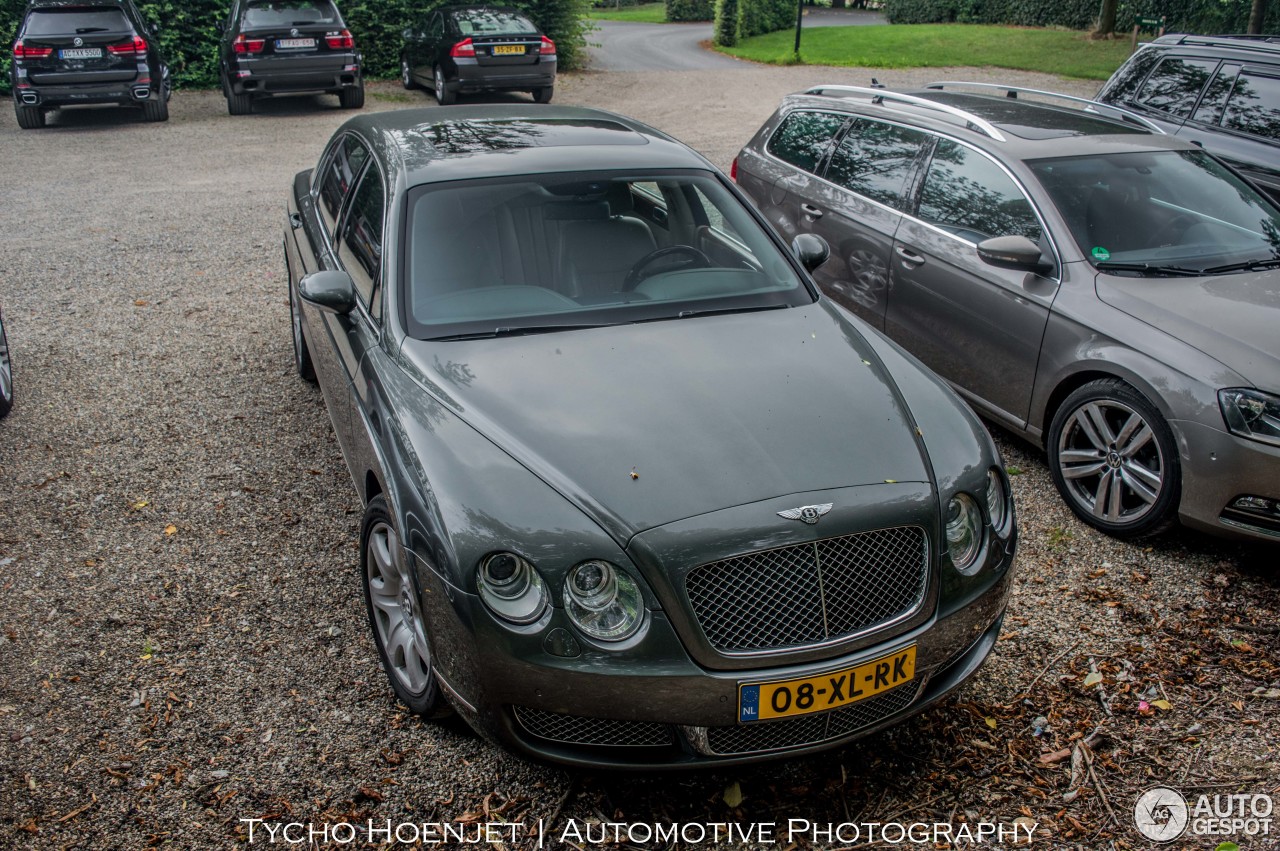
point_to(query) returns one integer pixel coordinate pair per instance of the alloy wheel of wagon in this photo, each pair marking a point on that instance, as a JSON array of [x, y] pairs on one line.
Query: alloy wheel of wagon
[[1113, 458], [395, 613], [6, 374]]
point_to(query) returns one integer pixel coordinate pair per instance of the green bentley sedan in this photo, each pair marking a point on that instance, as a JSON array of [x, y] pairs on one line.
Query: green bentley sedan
[[635, 494]]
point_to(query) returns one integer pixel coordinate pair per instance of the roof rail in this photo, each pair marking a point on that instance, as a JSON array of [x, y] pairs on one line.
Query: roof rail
[[1012, 92], [880, 95], [1228, 39]]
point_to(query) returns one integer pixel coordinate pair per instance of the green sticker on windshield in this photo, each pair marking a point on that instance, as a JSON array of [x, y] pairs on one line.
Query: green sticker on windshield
[[1100, 254]]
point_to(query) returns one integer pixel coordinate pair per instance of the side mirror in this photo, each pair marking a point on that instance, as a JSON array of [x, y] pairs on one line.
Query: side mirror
[[331, 291], [407, 34], [811, 250], [1012, 252]]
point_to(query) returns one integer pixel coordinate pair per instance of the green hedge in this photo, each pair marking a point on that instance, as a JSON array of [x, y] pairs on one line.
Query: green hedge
[[190, 31], [1191, 16], [739, 19], [690, 10]]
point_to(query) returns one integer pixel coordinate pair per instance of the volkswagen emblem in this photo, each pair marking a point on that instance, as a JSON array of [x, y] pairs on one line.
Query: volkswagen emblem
[[79, 42], [294, 32], [809, 514]]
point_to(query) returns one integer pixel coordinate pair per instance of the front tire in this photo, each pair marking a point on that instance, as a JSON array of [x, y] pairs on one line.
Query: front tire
[[29, 117], [406, 75], [353, 97], [543, 95], [444, 97], [395, 613], [1114, 460]]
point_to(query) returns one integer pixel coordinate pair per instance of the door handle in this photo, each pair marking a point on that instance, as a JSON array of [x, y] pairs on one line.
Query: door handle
[[909, 256], [810, 210]]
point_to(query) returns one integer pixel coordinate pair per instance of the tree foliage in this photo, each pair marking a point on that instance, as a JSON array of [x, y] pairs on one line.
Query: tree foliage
[[1189, 16], [739, 19], [189, 31], [690, 10]]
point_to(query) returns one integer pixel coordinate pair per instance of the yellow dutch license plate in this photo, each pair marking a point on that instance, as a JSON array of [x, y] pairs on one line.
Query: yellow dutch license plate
[[788, 698], [508, 49]]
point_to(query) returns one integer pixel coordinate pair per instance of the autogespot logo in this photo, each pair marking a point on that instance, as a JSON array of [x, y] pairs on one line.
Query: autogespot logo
[[1161, 814]]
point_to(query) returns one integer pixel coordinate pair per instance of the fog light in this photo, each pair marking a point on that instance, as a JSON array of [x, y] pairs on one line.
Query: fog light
[[1257, 505]]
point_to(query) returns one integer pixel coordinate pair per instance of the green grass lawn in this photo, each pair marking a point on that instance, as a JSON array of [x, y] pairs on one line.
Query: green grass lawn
[[646, 13], [1063, 52]]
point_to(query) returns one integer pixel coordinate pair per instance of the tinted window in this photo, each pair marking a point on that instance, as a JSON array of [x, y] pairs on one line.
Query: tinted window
[[968, 195], [268, 13], [360, 248], [436, 27], [1215, 96], [1175, 85], [69, 21], [875, 160], [492, 21], [338, 172], [804, 138], [1254, 106]]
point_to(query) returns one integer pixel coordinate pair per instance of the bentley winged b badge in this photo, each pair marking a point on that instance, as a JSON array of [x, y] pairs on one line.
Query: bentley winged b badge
[[808, 513]]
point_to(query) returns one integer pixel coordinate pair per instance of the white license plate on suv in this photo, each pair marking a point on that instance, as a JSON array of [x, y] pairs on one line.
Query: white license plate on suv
[[80, 53], [294, 43]]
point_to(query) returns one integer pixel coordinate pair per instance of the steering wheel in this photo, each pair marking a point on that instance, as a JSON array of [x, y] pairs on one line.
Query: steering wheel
[[1171, 231], [693, 259]]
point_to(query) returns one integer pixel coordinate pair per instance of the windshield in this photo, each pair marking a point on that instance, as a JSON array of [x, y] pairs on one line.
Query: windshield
[[291, 13], [1178, 209], [75, 21], [492, 22], [544, 252]]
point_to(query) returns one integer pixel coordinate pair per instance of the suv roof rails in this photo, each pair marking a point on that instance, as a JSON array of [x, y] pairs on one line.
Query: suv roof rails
[[878, 96], [1245, 42], [1012, 92]]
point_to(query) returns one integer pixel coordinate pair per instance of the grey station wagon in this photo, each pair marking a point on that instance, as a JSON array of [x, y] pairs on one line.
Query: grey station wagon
[[635, 494], [1109, 292]]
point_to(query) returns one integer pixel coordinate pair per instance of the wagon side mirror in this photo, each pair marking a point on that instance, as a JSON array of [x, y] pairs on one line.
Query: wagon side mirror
[[1012, 252], [331, 291], [811, 250]]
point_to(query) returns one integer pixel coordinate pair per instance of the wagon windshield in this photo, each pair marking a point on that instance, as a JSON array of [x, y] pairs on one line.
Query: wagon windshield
[[541, 253], [1166, 212]]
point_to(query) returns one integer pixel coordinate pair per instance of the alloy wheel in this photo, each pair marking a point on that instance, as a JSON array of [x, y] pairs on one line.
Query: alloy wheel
[[397, 614], [6, 368], [1111, 462]]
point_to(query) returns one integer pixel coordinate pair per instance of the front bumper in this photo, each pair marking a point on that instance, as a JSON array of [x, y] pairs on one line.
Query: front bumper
[[473, 77], [1218, 468], [652, 706]]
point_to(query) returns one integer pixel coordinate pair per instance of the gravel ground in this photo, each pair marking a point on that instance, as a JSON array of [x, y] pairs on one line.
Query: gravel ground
[[182, 640]]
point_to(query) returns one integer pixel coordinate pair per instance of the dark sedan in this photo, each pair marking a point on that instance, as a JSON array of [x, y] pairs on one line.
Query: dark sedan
[[635, 494], [272, 47], [469, 49]]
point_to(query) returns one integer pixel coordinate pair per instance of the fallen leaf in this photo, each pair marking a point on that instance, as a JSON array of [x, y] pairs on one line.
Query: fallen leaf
[[140, 303], [171, 529], [141, 504], [1093, 679], [733, 794], [991, 722], [1162, 704]]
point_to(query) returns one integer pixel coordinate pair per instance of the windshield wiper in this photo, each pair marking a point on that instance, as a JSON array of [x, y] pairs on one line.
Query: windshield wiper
[[1246, 266], [519, 330], [1149, 269], [720, 311], [83, 30]]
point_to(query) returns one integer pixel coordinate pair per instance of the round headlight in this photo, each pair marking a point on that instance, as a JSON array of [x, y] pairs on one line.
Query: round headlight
[[997, 500], [511, 587], [602, 601], [964, 531]]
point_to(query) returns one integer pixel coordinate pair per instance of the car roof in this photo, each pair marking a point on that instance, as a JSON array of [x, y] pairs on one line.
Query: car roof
[[1017, 127], [1217, 45], [430, 145]]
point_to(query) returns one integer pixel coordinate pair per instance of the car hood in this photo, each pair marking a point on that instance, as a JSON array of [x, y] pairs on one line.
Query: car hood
[[641, 425], [1231, 318]]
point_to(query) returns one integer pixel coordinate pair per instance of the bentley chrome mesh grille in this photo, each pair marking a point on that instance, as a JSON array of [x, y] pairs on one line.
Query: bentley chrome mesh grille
[[810, 729], [580, 730], [810, 593]]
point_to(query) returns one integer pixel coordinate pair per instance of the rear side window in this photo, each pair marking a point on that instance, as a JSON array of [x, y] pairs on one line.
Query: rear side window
[[804, 138], [290, 13], [337, 173], [360, 248], [875, 160], [971, 197], [492, 22], [1254, 106], [1175, 85], [75, 21], [1215, 96]]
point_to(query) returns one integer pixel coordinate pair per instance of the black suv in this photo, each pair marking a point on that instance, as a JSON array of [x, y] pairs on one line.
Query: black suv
[[1221, 92], [288, 47], [86, 53]]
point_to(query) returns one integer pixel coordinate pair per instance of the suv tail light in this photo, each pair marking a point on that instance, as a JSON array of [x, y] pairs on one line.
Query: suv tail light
[[733, 170], [244, 44], [548, 47], [137, 46], [340, 41], [463, 48], [22, 51]]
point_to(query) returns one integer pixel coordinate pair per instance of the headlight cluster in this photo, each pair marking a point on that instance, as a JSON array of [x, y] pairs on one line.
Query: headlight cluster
[[601, 600], [966, 529], [1252, 414], [998, 507]]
